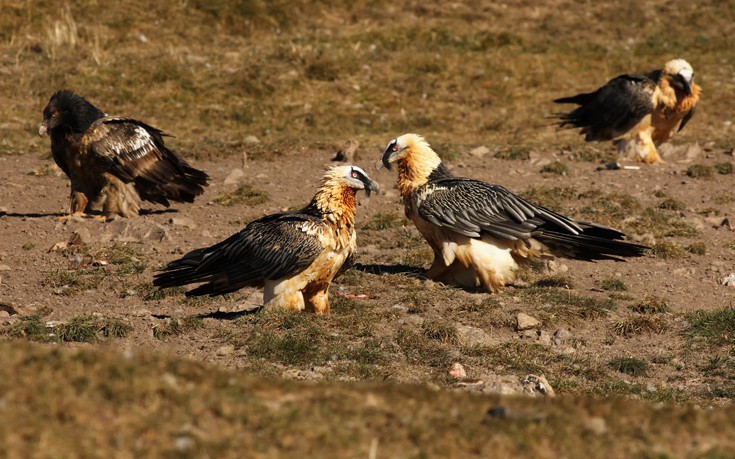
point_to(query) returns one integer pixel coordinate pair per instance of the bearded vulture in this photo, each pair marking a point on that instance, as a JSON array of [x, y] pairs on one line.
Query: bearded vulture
[[481, 232], [113, 162], [293, 255], [636, 112]]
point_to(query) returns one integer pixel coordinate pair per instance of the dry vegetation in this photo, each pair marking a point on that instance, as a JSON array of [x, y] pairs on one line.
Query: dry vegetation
[[303, 77]]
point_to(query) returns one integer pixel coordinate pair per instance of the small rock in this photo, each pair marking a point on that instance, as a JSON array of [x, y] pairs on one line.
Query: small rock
[[158, 233], [186, 222], [560, 336], [728, 281], [543, 337], [4, 313], [526, 322], [596, 425], [141, 313], [348, 152], [5, 268], [251, 140], [184, 443], [473, 336], [480, 151], [457, 371], [3, 210], [226, 350], [80, 237], [234, 177], [302, 375], [535, 385]]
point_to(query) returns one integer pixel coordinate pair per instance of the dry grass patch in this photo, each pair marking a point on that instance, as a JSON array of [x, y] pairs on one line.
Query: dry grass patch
[[85, 328], [175, 326], [244, 194], [700, 171], [632, 366], [635, 325]]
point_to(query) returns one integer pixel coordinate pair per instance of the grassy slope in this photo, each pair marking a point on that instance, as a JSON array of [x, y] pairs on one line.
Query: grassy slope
[[468, 73], [307, 72], [105, 405]]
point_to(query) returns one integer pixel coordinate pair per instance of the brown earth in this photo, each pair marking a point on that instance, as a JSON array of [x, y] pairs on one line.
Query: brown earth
[[30, 229], [176, 376]]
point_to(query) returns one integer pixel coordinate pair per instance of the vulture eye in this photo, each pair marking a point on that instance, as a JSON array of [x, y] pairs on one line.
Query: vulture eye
[[395, 147], [355, 174], [54, 114]]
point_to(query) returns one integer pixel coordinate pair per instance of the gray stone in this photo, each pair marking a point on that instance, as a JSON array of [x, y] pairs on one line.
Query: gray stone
[[81, 236], [251, 140], [560, 337], [5, 268], [234, 177], [186, 222], [473, 336], [526, 322], [537, 385], [226, 350], [480, 152], [596, 425]]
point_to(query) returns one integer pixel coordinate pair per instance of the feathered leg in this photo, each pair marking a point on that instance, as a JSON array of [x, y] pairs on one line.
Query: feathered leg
[[318, 302]]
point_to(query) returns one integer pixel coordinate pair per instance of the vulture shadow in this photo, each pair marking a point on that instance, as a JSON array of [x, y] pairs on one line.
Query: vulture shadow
[[405, 270], [62, 214], [220, 315], [31, 214]]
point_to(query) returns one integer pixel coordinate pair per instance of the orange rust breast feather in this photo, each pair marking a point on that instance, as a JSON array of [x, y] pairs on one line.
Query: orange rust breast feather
[[668, 114]]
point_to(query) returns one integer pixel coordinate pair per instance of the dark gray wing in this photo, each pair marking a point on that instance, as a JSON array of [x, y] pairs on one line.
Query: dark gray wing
[[612, 110], [472, 207], [686, 119], [135, 152], [272, 247]]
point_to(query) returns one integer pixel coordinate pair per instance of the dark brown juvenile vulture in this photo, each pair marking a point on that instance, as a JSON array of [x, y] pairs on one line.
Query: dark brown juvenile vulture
[[481, 232], [637, 112], [114, 162], [293, 255]]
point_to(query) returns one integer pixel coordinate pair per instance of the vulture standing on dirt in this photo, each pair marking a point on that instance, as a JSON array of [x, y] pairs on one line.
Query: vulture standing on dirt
[[113, 162], [637, 112], [293, 255], [481, 232]]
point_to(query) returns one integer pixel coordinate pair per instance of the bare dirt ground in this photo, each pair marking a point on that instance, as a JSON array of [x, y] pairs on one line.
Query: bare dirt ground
[[31, 283], [639, 353]]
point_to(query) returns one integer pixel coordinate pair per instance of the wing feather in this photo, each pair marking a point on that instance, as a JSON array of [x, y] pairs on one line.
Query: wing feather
[[612, 110], [486, 208], [135, 152], [272, 247]]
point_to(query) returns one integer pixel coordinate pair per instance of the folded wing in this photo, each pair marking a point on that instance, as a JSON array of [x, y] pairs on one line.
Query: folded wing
[[135, 152], [273, 247]]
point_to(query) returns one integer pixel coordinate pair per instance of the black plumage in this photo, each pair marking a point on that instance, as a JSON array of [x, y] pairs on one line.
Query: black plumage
[[270, 248], [612, 110], [113, 162], [473, 208]]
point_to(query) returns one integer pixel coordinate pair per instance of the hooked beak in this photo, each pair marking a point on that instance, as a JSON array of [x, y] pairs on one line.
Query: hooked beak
[[687, 87], [387, 156], [42, 129], [372, 186]]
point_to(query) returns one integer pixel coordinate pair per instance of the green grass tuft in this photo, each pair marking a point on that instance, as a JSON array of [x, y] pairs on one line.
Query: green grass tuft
[[440, 330], [667, 250], [724, 168], [711, 329], [629, 365], [671, 204], [700, 171], [612, 284], [244, 194], [382, 221], [651, 305], [557, 168], [174, 326], [697, 248]]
